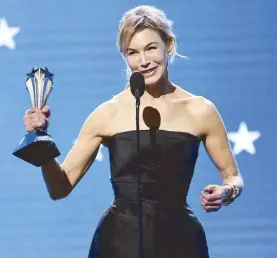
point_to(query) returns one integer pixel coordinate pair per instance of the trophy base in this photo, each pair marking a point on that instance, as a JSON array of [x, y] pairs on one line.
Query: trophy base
[[37, 148]]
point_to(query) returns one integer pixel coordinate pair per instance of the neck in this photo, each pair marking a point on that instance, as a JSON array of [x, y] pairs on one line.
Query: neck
[[162, 87]]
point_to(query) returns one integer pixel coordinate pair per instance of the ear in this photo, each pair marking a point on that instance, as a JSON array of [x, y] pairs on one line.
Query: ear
[[170, 42]]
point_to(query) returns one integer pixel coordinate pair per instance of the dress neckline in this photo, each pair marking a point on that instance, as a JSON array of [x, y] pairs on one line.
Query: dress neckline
[[158, 130]]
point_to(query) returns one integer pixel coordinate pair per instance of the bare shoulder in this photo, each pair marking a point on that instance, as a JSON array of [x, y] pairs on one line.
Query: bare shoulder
[[121, 96], [110, 107], [203, 107], [100, 118], [198, 105]]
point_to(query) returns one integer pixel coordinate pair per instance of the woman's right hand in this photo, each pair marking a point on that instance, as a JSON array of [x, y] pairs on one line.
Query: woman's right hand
[[35, 118]]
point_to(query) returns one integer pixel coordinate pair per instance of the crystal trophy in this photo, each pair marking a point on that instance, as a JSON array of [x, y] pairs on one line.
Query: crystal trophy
[[37, 147]]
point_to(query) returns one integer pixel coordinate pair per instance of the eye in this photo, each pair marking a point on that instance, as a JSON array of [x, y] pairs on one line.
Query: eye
[[131, 53], [151, 48]]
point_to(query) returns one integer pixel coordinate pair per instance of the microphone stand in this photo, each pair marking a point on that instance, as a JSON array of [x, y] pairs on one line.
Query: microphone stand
[[141, 244]]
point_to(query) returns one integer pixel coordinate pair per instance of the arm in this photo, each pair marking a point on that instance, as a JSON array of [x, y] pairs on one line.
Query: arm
[[218, 148], [61, 179]]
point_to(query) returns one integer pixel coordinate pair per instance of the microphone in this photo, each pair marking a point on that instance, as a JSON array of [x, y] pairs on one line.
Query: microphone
[[137, 84]]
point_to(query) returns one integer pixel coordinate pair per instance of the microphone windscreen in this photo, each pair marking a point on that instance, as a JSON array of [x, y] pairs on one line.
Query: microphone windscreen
[[137, 83]]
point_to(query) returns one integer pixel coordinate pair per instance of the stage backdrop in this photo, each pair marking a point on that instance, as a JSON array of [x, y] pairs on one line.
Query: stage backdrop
[[233, 58]]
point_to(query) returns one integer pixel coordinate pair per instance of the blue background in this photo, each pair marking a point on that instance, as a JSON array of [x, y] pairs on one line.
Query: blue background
[[232, 47]]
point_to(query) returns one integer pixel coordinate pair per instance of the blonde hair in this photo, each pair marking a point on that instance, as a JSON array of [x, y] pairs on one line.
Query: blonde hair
[[142, 17]]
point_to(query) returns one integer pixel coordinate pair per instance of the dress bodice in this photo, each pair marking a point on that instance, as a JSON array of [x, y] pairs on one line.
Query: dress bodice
[[167, 161], [169, 227]]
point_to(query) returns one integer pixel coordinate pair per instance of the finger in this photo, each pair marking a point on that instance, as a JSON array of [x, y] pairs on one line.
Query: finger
[[31, 110], [34, 118], [209, 188], [37, 124], [39, 119], [210, 197], [203, 205], [35, 115], [45, 108], [210, 208], [205, 195], [30, 127], [214, 203], [35, 121], [46, 111], [204, 201], [213, 197]]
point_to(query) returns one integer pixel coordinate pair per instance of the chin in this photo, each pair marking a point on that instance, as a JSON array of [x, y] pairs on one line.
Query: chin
[[152, 80]]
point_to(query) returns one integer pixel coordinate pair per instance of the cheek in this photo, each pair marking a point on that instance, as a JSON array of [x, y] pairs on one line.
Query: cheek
[[161, 58], [165, 57], [132, 62]]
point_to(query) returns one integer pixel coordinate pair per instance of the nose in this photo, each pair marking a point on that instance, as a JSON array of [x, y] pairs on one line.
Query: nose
[[143, 60]]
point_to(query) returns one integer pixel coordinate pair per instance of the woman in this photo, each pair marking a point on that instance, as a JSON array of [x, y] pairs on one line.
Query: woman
[[173, 122]]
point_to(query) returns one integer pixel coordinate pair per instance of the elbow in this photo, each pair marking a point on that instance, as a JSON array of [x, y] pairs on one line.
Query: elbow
[[58, 196], [58, 192]]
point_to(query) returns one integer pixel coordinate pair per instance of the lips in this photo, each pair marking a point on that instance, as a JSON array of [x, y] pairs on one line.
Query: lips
[[148, 70]]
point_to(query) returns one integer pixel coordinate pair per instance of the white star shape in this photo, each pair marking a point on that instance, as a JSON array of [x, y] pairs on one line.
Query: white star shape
[[243, 139], [7, 33]]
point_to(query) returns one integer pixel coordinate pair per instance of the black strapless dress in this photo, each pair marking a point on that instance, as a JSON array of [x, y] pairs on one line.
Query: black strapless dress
[[171, 230]]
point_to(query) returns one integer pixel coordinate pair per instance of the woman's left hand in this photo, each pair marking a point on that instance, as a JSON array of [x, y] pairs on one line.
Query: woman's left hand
[[212, 196]]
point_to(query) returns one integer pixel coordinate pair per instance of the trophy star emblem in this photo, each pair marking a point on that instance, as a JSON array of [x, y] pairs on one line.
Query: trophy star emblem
[[7, 33], [39, 84], [32, 73], [48, 74]]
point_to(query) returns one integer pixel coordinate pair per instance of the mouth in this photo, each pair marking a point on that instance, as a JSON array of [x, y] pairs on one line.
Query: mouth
[[149, 71]]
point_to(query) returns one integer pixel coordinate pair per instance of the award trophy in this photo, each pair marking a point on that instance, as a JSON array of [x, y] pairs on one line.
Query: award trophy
[[38, 147]]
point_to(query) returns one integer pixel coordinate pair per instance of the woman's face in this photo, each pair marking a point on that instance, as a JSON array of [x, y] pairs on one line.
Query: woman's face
[[148, 54]]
